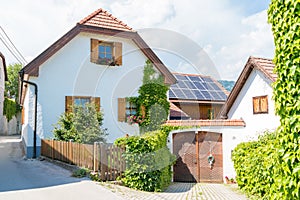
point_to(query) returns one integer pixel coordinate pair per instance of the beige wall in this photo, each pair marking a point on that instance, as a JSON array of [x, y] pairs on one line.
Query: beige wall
[[199, 111]]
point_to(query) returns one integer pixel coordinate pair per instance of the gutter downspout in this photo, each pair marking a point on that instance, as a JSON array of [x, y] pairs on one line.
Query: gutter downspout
[[35, 108]]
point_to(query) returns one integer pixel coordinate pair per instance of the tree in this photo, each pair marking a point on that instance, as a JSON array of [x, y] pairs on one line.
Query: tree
[[82, 126], [12, 85]]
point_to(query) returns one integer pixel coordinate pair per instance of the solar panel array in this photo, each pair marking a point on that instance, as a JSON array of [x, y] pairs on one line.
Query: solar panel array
[[193, 87]]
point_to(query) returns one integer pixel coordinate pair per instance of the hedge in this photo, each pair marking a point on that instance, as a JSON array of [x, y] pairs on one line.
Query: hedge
[[148, 160]]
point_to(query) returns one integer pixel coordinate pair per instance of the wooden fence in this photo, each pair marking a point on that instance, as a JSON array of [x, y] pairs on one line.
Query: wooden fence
[[106, 159]]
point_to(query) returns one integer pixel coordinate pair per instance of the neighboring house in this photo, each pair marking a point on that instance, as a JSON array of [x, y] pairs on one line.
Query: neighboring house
[[251, 97], [3, 78], [197, 96], [248, 112], [100, 60]]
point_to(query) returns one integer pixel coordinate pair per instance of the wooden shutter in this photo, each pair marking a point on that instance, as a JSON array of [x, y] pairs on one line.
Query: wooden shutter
[[264, 104], [118, 53], [94, 50], [68, 104], [121, 109], [143, 111], [256, 108], [96, 101]]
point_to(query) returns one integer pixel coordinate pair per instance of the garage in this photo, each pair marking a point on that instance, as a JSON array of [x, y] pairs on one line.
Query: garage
[[199, 157]]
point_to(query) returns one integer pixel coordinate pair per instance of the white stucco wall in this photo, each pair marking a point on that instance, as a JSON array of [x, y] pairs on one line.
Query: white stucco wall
[[69, 72], [256, 85]]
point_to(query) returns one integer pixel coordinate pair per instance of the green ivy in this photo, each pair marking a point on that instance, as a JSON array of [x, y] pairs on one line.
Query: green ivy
[[270, 167], [148, 160], [10, 108], [152, 102]]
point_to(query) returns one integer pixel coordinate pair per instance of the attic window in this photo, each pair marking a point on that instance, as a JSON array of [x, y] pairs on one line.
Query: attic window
[[106, 53], [260, 104]]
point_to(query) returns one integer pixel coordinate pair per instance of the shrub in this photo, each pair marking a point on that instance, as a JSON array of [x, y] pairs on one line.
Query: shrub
[[10, 108], [255, 164], [82, 126], [148, 160]]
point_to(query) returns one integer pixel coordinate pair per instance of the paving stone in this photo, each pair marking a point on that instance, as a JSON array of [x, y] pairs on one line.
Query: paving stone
[[181, 191]]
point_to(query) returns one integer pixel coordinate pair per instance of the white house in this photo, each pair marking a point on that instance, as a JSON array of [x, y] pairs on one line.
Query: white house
[[251, 97], [3, 78], [248, 112], [101, 59]]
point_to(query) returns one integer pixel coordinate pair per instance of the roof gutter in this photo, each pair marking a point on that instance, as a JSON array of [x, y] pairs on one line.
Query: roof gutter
[[21, 73]]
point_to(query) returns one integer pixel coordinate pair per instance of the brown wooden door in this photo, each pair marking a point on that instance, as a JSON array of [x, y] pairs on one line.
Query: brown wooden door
[[210, 143], [192, 151], [184, 147]]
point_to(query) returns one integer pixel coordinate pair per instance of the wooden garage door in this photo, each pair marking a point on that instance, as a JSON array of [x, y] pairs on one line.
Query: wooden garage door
[[210, 143], [184, 147], [192, 151]]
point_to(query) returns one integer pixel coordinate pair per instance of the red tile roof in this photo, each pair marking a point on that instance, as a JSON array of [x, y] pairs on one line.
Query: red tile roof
[[102, 19], [177, 112], [266, 66], [204, 123], [100, 22]]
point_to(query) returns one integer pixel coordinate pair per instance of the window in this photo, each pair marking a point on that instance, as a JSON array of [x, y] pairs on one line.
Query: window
[[260, 104], [130, 109], [106, 53], [80, 100], [125, 109]]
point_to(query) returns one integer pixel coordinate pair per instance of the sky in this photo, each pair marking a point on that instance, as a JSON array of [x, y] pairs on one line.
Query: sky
[[229, 31]]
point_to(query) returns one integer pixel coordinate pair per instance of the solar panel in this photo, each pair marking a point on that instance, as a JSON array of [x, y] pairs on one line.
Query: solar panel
[[206, 95], [190, 85], [181, 84], [199, 86], [207, 79], [189, 94], [180, 77], [194, 78], [196, 88], [198, 95], [209, 86], [179, 94], [171, 94]]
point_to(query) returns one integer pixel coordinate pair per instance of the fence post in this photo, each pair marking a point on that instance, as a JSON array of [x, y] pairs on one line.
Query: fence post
[[52, 149], [104, 162], [95, 156]]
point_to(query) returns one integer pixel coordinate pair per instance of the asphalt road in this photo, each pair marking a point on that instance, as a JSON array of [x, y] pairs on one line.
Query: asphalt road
[[34, 180]]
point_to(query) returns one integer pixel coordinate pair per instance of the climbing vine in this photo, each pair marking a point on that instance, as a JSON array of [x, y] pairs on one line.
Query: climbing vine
[[152, 102], [285, 20], [271, 168], [10, 108]]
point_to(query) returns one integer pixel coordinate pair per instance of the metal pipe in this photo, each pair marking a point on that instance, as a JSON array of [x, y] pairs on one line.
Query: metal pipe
[[35, 108]]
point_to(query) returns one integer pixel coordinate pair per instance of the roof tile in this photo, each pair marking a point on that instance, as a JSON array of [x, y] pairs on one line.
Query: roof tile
[[202, 123], [266, 66], [102, 19]]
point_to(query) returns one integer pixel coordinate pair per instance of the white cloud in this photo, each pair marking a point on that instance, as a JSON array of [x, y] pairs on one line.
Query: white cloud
[[254, 40], [220, 27], [143, 13]]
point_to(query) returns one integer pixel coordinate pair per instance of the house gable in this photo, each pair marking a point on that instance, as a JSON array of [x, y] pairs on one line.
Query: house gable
[[102, 23], [264, 66]]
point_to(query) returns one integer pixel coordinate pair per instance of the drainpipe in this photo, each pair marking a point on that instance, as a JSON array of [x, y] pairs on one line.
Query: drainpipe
[[35, 108]]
